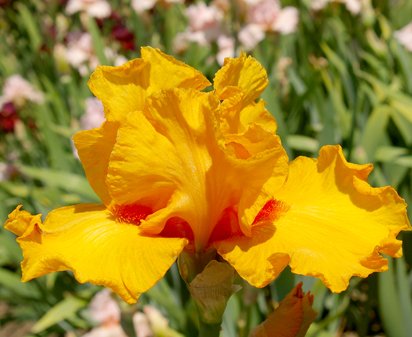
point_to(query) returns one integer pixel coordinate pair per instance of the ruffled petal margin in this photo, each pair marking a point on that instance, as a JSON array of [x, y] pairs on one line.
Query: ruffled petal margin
[[124, 89], [242, 76], [330, 223], [88, 241]]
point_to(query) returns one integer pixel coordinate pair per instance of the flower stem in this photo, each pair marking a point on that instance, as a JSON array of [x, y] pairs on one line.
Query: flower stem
[[209, 330]]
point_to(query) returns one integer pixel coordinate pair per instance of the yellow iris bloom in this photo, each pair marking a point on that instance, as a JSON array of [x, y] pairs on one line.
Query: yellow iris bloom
[[178, 168]]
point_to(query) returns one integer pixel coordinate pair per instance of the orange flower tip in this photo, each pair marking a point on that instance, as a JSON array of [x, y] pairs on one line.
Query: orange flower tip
[[298, 290], [291, 318]]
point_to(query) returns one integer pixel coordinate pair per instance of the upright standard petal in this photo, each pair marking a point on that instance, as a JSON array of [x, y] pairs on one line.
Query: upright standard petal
[[327, 221], [121, 89], [167, 171], [242, 75], [124, 89], [249, 134], [88, 240], [166, 72], [178, 167], [94, 148]]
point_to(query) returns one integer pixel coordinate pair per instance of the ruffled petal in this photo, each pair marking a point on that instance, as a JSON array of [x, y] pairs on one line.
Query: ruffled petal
[[176, 169], [241, 76], [121, 89], [94, 148], [175, 136], [249, 134], [124, 89], [166, 72], [19, 221], [253, 257], [328, 221], [291, 318], [237, 117], [87, 240]]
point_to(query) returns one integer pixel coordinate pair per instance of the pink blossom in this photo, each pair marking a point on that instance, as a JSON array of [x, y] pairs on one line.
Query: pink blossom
[[6, 171], [103, 309], [250, 35], [94, 115], [318, 5], [141, 325], [80, 54], [287, 20], [268, 16], [106, 331], [151, 322], [94, 8], [226, 46], [404, 36], [204, 19], [18, 91], [353, 6], [204, 27], [141, 6], [263, 13]]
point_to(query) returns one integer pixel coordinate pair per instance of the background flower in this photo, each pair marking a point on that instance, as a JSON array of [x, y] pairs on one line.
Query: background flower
[[18, 91], [94, 8]]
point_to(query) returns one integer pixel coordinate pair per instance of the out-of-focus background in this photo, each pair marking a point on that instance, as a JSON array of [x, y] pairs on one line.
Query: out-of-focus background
[[340, 73]]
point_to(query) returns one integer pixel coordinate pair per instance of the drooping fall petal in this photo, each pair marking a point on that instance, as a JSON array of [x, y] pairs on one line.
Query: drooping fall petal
[[291, 318], [89, 241], [328, 222]]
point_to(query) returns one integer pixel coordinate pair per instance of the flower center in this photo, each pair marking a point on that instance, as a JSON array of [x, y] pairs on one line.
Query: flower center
[[228, 225], [271, 211], [133, 213]]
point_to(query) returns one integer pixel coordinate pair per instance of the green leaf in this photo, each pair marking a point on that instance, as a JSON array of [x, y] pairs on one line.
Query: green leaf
[[302, 143], [12, 282], [64, 180], [98, 43], [374, 132], [27, 21], [390, 310], [404, 294], [389, 153], [63, 310]]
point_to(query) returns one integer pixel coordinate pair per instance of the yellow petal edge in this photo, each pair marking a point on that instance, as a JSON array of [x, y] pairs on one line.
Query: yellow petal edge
[[88, 241], [332, 225]]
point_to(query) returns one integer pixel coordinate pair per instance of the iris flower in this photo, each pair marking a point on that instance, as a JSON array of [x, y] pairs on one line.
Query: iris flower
[[179, 168]]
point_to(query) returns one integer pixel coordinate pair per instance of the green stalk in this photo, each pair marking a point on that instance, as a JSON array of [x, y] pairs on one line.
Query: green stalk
[[209, 330]]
